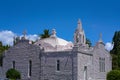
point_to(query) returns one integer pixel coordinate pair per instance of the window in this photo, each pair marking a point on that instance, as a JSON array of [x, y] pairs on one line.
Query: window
[[102, 64], [85, 72], [83, 38], [77, 38], [80, 38], [58, 65], [30, 68], [13, 64]]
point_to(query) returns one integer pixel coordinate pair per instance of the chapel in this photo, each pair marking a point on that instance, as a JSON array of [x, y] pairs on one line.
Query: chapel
[[54, 58]]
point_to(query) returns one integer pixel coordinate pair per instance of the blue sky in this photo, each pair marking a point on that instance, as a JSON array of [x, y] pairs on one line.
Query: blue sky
[[97, 16]]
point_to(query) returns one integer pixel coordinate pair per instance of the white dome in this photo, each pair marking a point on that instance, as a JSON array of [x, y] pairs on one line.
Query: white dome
[[54, 43]]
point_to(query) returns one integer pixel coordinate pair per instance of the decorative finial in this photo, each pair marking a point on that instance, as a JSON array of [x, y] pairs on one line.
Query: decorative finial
[[24, 33], [53, 33], [100, 37]]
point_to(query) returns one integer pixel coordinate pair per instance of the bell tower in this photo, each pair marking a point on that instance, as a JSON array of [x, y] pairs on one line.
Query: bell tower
[[79, 35]]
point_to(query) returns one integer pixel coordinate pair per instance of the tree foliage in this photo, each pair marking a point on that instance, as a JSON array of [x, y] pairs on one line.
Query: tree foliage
[[116, 51], [46, 34], [116, 41], [13, 74], [16, 39], [113, 75], [88, 42], [2, 49]]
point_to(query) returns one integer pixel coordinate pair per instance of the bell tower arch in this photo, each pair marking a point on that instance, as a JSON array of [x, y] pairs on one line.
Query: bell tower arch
[[79, 35]]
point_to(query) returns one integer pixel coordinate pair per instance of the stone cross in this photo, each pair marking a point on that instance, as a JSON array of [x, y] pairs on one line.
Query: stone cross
[[24, 33], [53, 32], [100, 40]]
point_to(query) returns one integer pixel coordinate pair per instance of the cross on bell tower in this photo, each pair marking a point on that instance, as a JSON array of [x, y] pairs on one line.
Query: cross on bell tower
[[24, 34], [100, 37]]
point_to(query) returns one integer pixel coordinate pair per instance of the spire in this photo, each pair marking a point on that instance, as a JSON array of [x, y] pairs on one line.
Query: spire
[[79, 27], [79, 36], [100, 37]]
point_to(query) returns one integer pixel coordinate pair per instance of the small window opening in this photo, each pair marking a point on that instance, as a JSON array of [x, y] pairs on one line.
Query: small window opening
[[58, 65]]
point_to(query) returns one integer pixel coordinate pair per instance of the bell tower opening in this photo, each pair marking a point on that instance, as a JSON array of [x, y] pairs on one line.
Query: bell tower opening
[[79, 36]]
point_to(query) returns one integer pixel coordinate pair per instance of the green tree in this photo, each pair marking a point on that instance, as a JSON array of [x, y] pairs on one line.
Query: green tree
[[2, 49], [16, 39], [88, 42], [46, 34], [113, 75], [115, 52], [116, 41], [13, 74]]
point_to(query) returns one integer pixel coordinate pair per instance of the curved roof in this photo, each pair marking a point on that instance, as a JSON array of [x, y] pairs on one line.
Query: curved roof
[[54, 43]]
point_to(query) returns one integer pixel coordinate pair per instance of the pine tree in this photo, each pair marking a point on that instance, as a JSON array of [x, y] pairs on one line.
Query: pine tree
[[116, 51], [2, 49]]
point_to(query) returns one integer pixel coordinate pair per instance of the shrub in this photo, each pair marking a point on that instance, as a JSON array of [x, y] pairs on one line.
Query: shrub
[[13, 74], [113, 75]]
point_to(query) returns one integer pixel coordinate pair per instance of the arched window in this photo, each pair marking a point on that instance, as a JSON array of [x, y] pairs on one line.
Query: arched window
[[30, 68], [77, 38], [85, 72], [102, 64], [13, 64], [58, 65], [80, 38]]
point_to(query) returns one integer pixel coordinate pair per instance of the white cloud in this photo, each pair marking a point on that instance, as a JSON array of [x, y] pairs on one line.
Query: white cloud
[[7, 37], [32, 37], [108, 46]]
